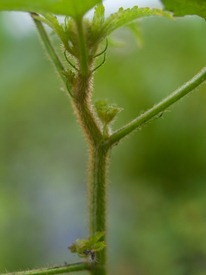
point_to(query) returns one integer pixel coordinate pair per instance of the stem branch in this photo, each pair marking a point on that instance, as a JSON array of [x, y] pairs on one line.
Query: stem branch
[[158, 108], [54, 270]]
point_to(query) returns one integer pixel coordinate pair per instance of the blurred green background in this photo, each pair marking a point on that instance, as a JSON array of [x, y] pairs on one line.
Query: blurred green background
[[157, 186]]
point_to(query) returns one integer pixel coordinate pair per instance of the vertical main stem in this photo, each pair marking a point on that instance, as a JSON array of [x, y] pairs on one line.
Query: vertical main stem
[[82, 47], [98, 157], [99, 153], [97, 199]]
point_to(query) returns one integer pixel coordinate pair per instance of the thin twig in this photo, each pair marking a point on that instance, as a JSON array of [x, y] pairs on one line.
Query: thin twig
[[103, 61], [70, 63], [54, 270], [158, 108], [103, 51]]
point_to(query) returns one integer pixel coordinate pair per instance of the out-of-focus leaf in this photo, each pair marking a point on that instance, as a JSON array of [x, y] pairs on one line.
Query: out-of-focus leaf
[[135, 29], [186, 7], [74, 8]]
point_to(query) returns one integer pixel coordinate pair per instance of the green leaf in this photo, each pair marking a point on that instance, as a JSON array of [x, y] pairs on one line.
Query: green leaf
[[186, 7], [93, 243], [106, 112], [74, 8], [52, 21], [126, 16], [96, 238], [96, 24], [98, 18]]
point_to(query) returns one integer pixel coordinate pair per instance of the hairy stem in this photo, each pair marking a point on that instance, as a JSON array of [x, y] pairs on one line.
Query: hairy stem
[[97, 199], [97, 183], [82, 48], [88, 122], [97, 154], [54, 270], [158, 108]]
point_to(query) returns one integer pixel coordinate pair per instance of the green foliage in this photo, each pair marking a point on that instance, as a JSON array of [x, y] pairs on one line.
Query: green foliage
[[92, 244], [52, 21], [97, 29], [98, 18], [65, 31], [72, 8], [106, 112], [186, 7], [101, 27], [126, 16]]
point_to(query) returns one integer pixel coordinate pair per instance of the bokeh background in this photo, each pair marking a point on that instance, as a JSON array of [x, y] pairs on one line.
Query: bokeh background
[[157, 185]]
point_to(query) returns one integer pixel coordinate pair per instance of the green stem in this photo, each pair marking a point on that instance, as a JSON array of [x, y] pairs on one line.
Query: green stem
[[83, 52], [98, 193], [98, 166], [158, 108], [54, 270], [98, 152], [50, 49], [98, 155], [87, 120]]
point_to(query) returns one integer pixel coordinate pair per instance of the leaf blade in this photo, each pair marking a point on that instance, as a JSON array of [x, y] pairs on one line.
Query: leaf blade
[[125, 16], [186, 7], [72, 8]]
